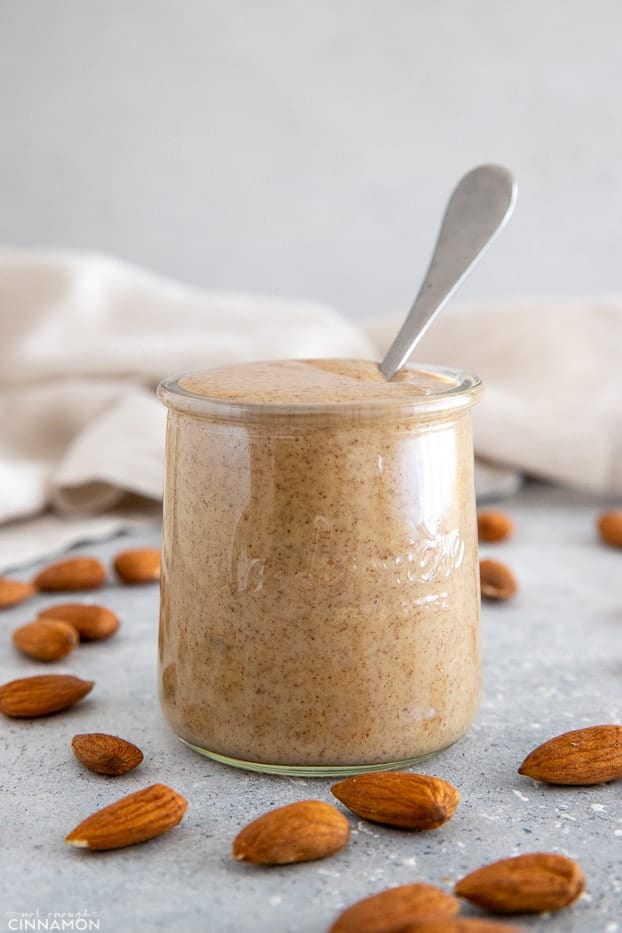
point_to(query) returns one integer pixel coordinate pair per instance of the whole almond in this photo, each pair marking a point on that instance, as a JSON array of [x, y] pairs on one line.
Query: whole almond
[[610, 528], [42, 695], [140, 816], [298, 832], [497, 580], [396, 910], [584, 756], [75, 573], [46, 639], [464, 925], [399, 798], [533, 883], [93, 623], [138, 565], [106, 754], [493, 526], [13, 592]]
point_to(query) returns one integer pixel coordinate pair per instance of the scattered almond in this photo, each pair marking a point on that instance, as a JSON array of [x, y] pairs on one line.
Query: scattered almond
[[75, 573], [584, 756], [497, 580], [494, 526], [396, 910], [298, 832], [45, 639], [106, 754], [42, 694], [140, 816], [531, 883], [13, 592], [464, 925], [138, 565], [610, 528], [93, 623], [399, 798]]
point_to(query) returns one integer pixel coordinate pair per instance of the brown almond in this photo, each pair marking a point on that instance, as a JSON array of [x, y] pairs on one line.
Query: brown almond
[[140, 816], [42, 695], [106, 754], [610, 528], [138, 565], [46, 639], [533, 883], [75, 573], [93, 623], [396, 910], [298, 832], [464, 925], [399, 798], [497, 580], [584, 756], [13, 592], [493, 526]]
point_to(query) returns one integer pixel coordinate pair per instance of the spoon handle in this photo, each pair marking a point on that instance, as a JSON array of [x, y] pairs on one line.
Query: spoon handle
[[478, 207]]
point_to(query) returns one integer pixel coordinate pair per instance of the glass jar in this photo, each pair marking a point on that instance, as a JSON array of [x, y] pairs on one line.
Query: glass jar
[[320, 583]]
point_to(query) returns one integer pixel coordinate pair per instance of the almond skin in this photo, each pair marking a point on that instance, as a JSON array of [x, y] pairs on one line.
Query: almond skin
[[493, 526], [138, 565], [464, 925], [497, 580], [93, 623], [398, 798], [42, 694], [106, 754], [532, 884], [46, 639], [75, 573], [584, 756], [298, 832], [397, 910], [610, 528], [140, 816], [13, 592]]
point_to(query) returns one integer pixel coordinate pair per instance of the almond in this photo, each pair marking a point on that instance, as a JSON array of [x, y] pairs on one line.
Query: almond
[[93, 623], [531, 883], [42, 694], [497, 580], [106, 754], [584, 756], [138, 565], [610, 528], [298, 832], [140, 816], [45, 639], [464, 925], [75, 573], [494, 526], [398, 798], [14, 591], [396, 910]]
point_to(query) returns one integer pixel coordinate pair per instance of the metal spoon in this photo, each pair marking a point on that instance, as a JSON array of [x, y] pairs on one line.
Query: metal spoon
[[479, 206]]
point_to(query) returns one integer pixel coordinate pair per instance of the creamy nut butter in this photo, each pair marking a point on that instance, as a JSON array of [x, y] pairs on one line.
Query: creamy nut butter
[[320, 587]]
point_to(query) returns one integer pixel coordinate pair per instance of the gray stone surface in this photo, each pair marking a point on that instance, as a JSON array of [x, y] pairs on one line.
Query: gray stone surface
[[552, 662]]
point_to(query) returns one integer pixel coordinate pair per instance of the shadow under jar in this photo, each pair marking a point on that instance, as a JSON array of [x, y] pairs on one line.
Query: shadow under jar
[[320, 585]]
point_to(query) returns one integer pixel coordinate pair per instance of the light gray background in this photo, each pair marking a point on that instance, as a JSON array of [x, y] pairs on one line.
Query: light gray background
[[307, 148]]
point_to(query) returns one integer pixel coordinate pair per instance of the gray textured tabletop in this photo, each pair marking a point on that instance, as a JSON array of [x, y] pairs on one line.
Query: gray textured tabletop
[[552, 662]]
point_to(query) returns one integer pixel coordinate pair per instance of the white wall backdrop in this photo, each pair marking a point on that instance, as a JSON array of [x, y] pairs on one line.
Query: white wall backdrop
[[307, 148]]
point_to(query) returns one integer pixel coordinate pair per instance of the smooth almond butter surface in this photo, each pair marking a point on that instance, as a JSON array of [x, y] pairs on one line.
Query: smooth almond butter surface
[[13, 592], [136, 818], [610, 528], [494, 525], [42, 695], [464, 925], [399, 798], [397, 910], [497, 581], [93, 623], [138, 565], [298, 832], [533, 883], [46, 639], [75, 573], [106, 754], [584, 756]]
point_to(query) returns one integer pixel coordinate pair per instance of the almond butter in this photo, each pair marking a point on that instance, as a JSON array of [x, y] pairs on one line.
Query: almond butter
[[298, 832], [533, 883], [396, 910], [93, 623], [399, 798], [42, 695], [138, 565], [45, 639], [13, 592], [610, 528], [493, 526], [497, 580], [75, 573], [584, 756], [106, 754], [138, 817], [464, 925]]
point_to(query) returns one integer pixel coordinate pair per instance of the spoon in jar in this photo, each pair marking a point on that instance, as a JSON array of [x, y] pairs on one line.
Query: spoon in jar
[[479, 206]]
